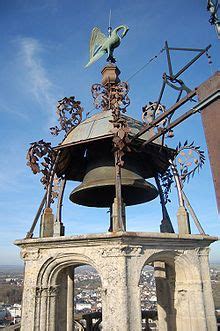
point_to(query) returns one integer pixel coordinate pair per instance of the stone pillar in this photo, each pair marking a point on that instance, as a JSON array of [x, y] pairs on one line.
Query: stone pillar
[[43, 294], [28, 299], [121, 304], [70, 299], [30, 295], [165, 284], [47, 223], [61, 311], [52, 305], [183, 220], [207, 289]]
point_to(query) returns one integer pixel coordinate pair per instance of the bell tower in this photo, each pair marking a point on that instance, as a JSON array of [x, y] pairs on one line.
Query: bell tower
[[114, 157]]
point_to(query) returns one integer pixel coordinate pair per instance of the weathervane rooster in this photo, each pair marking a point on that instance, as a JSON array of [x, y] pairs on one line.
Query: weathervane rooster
[[100, 44]]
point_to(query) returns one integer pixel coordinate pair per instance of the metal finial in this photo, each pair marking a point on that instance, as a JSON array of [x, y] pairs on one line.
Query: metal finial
[[109, 23]]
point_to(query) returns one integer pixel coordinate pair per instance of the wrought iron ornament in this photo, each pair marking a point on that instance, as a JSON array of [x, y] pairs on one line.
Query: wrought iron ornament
[[69, 112], [166, 181], [111, 96], [213, 7], [151, 112], [41, 158], [120, 140], [188, 160]]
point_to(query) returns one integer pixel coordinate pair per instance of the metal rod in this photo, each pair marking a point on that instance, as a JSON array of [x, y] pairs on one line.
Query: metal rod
[[118, 193], [191, 62], [193, 214], [60, 201], [30, 232], [165, 114], [180, 119], [171, 125], [160, 96], [168, 59], [186, 49], [178, 183], [165, 214]]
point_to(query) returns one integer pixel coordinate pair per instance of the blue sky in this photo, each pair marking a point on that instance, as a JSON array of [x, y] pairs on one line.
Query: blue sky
[[44, 47]]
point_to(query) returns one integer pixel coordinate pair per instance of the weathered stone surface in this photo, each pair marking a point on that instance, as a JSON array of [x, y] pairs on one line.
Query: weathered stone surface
[[183, 277]]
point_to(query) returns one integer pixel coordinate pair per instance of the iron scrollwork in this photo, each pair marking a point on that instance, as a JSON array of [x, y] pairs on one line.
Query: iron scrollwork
[[152, 111], [166, 182], [111, 96], [189, 159], [120, 139], [69, 112], [40, 158]]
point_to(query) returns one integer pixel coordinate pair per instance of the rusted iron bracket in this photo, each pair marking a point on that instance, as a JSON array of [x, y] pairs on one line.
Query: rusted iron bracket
[[172, 79], [42, 204], [194, 110]]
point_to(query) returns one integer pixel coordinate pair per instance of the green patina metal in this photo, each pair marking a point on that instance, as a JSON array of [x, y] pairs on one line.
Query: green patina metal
[[100, 44]]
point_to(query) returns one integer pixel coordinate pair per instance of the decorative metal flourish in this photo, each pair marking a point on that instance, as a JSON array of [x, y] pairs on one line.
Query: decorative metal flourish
[[41, 158], [55, 188], [175, 83], [166, 182], [189, 159], [152, 111], [69, 114], [120, 139], [111, 96], [213, 7]]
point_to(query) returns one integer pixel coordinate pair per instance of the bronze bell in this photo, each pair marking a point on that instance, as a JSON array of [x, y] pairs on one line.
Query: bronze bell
[[98, 186]]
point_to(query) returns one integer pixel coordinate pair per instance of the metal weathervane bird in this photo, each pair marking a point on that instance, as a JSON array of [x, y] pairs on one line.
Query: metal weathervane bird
[[100, 44]]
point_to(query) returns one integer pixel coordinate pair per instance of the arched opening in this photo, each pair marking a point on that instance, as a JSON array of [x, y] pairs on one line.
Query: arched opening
[[148, 298], [157, 285], [55, 308], [87, 299], [177, 284], [78, 303]]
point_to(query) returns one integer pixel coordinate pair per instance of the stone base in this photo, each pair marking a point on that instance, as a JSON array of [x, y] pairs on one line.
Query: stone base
[[182, 278]]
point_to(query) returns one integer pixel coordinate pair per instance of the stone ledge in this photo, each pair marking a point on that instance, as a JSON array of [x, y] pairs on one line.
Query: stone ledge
[[143, 238]]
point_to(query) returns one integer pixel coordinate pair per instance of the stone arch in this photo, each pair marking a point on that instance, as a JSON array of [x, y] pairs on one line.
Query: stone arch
[[178, 283], [49, 280], [52, 266]]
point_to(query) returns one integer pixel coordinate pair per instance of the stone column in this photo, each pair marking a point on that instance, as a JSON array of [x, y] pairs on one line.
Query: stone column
[[121, 306], [207, 289], [61, 311], [47, 223], [189, 301], [51, 310], [43, 293], [70, 299], [29, 297], [165, 284]]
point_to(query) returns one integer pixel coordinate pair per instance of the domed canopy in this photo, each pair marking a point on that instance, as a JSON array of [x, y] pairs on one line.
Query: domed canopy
[[98, 129]]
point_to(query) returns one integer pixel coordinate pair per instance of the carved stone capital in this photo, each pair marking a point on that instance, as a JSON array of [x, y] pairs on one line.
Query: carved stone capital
[[203, 251], [30, 254], [47, 291]]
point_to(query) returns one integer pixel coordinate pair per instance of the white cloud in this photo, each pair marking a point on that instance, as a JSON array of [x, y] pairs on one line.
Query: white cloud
[[37, 78]]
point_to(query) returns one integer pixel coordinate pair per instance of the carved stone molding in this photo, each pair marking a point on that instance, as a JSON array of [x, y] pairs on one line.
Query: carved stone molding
[[122, 251], [202, 251], [30, 255], [47, 291]]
